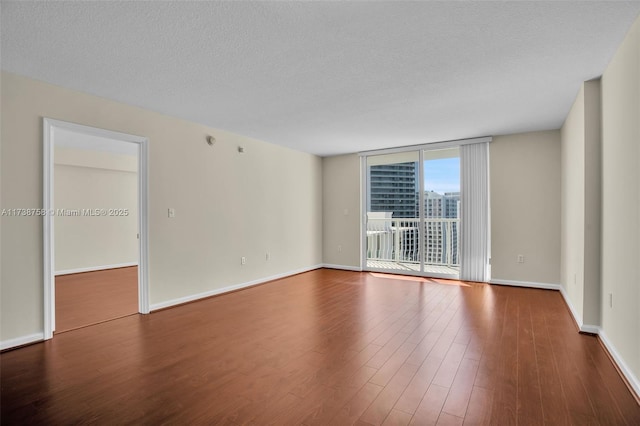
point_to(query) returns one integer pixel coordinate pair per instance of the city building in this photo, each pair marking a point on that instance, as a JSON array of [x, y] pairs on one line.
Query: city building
[[441, 235], [393, 188]]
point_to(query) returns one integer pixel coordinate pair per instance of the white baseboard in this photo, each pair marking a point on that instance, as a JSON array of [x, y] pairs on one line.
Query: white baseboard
[[95, 268], [217, 291], [624, 368], [530, 284], [19, 341], [572, 309], [585, 328], [594, 329], [342, 267], [591, 329]]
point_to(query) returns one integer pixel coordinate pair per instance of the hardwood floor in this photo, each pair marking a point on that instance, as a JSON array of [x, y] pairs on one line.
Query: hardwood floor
[[92, 297], [327, 348]]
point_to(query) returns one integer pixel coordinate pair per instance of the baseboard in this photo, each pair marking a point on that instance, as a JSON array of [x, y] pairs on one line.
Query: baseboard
[[95, 268], [624, 369], [572, 309], [590, 329], [217, 291], [582, 327], [529, 284], [342, 267], [21, 341]]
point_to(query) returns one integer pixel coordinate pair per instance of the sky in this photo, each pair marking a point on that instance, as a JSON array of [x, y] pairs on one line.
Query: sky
[[442, 175]]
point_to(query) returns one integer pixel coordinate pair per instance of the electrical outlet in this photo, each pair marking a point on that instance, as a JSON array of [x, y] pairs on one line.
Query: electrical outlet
[[340, 247], [243, 260], [171, 212], [520, 258]]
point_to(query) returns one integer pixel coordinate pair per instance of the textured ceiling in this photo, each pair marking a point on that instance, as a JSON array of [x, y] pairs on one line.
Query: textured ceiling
[[325, 77]]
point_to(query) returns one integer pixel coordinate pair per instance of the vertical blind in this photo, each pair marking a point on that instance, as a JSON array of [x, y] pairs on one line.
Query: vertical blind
[[474, 195]]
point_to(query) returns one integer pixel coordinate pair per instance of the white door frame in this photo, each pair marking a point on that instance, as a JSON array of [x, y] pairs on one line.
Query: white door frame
[[48, 138]]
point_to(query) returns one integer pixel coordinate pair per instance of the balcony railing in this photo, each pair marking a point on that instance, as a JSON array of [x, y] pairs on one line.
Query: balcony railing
[[397, 240]]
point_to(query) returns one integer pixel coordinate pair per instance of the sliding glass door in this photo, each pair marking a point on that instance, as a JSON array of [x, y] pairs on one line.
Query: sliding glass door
[[441, 198], [413, 213], [393, 212]]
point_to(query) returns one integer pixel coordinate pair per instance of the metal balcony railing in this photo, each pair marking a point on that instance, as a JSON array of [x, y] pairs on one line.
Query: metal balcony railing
[[398, 240]]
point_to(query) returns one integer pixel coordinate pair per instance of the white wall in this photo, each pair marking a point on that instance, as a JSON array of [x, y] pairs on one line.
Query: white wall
[[341, 210], [525, 207], [85, 179], [621, 201], [227, 204]]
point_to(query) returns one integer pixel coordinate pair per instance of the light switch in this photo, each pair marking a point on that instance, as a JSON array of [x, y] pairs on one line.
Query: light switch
[[172, 213]]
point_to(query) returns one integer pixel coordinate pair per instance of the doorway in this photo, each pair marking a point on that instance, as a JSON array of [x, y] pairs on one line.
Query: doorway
[[95, 225], [89, 298], [413, 212]]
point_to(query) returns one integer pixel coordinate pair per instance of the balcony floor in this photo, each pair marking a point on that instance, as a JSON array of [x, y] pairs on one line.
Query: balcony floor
[[412, 267]]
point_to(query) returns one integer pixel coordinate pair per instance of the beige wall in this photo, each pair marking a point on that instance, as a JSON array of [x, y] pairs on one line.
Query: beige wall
[[581, 200], [525, 204], [592, 202], [2, 204], [86, 179], [621, 201], [227, 204], [341, 210], [573, 207], [525, 207]]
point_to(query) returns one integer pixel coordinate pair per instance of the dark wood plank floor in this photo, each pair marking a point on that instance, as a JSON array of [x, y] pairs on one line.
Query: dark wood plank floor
[[93, 297], [327, 348]]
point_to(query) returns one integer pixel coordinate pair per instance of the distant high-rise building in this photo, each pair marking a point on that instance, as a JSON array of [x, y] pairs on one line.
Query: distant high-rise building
[[394, 188], [441, 235], [451, 205], [441, 206]]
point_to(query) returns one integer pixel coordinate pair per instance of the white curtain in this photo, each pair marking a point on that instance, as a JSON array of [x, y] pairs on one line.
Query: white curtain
[[474, 197]]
